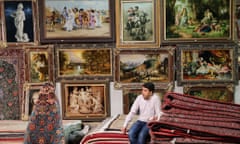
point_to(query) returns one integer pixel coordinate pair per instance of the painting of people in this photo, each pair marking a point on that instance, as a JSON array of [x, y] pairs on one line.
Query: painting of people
[[196, 20], [64, 20]]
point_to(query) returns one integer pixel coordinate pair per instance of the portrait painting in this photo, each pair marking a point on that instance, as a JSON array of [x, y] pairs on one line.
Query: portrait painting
[[144, 66], [19, 22], [207, 63], [78, 20], [31, 94], [85, 62], [39, 67], [222, 93], [194, 21], [138, 24], [85, 100]]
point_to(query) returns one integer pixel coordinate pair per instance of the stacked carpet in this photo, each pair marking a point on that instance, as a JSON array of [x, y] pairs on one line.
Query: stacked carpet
[[195, 120]]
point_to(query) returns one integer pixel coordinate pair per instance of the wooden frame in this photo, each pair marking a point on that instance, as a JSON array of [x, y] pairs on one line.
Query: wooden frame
[[39, 64], [55, 28], [237, 21], [138, 66], [85, 100], [27, 31], [145, 31], [130, 94], [206, 63], [197, 21], [223, 93], [77, 62], [30, 93], [12, 71]]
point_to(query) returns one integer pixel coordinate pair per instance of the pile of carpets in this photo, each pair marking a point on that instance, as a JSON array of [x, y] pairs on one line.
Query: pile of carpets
[[188, 119]]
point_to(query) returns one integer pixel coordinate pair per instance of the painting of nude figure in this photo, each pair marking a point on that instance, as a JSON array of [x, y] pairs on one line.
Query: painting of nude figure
[[194, 20]]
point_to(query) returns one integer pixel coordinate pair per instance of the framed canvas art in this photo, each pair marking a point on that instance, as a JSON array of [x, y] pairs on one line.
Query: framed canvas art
[[85, 100], [197, 21], [20, 22], [39, 64], [138, 66], [206, 63], [76, 21], [137, 24]]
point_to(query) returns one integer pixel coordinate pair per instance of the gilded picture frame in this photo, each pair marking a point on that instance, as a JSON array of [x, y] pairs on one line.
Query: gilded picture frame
[[19, 22], [76, 21], [39, 64], [197, 21], [137, 24], [85, 100], [206, 63]]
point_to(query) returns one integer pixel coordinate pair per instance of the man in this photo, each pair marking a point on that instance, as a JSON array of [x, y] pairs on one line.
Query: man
[[147, 105]]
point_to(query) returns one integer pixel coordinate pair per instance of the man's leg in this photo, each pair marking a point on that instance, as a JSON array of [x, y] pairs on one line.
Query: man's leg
[[143, 134], [134, 131]]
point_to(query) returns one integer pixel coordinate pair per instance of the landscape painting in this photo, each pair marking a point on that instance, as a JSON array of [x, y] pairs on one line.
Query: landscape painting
[[197, 20]]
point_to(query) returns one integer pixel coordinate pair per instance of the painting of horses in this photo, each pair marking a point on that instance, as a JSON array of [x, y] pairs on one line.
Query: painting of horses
[[222, 93], [39, 64], [65, 21], [144, 66], [194, 20], [138, 23], [207, 63]]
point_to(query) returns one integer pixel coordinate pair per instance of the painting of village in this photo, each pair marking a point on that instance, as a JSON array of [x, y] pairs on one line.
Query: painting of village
[[84, 18], [144, 67], [88, 62], [197, 19]]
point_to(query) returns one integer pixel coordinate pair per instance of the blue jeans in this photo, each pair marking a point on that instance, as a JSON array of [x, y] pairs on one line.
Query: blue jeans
[[138, 133]]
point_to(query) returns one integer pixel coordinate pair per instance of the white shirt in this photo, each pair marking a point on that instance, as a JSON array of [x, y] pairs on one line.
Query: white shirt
[[147, 109]]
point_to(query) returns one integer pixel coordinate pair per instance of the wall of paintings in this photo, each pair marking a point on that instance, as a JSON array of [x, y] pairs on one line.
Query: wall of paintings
[[100, 52]]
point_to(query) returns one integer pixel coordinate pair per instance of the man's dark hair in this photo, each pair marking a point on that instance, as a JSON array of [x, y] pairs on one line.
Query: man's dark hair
[[150, 86]]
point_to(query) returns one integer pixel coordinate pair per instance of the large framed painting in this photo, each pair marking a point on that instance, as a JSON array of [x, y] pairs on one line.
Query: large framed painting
[[11, 82], [207, 63], [222, 93], [20, 22], [39, 64], [30, 97], [197, 21], [85, 100], [76, 21], [137, 23], [138, 66], [130, 94], [82, 63]]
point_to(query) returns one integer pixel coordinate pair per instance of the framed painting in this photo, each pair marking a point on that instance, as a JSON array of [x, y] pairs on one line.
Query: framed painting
[[11, 82], [130, 94], [39, 64], [206, 63], [137, 24], [138, 66], [223, 93], [85, 100], [197, 21], [80, 63], [20, 22], [62, 21], [30, 97]]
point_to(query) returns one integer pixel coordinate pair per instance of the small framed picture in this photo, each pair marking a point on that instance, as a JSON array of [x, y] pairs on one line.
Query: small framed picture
[[20, 22], [77, 62], [223, 93], [137, 24], [85, 100], [39, 64], [62, 21], [30, 94], [207, 63], [138, 66]]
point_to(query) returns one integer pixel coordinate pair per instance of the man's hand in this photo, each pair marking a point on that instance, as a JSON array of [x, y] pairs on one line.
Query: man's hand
[[124, 130]]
